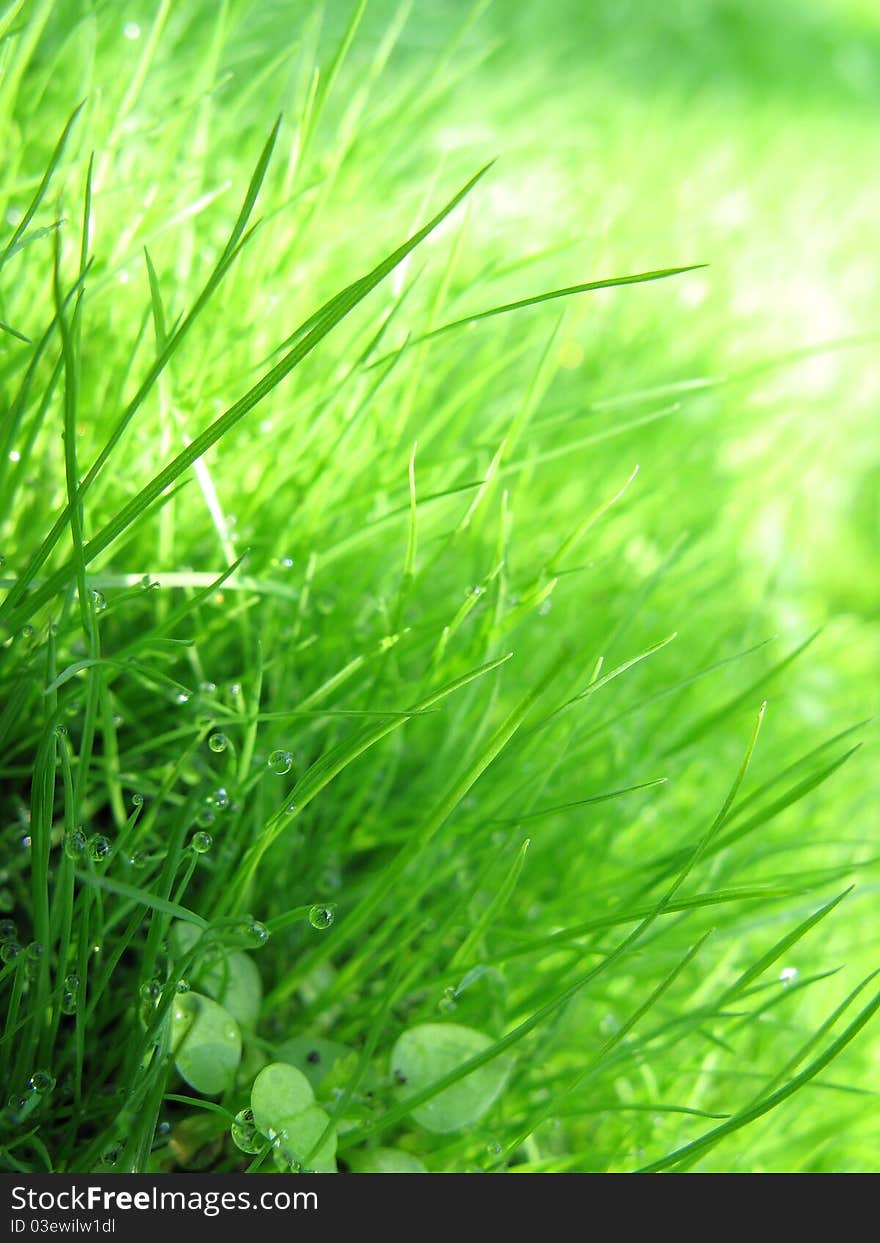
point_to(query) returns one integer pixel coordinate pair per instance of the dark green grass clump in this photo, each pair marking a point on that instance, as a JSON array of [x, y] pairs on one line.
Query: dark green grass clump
[[402, 765]]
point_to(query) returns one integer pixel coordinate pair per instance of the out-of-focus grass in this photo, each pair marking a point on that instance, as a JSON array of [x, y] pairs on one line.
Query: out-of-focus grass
[[630, 137]]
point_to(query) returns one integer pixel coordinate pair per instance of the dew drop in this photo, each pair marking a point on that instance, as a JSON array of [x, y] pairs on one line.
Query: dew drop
[[150, 990], [280, 762], [131, 30], [181, 697], [321, 916], [221, 798], [8, 931], [34, 951], [137, 800], [98, 847], [27, 632], [788, 975], [253, 932], [68, 1003], [9, 951], [99, 602], [201, 843], [42, 1082], [218, 743], [139, 859], [447, 1002], [75, 844], [182, 986], [60, 731], [205, 816], [244, 1132], [71, 983]]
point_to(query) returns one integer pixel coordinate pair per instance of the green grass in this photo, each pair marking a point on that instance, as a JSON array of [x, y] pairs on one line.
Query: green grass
[[429, 594]]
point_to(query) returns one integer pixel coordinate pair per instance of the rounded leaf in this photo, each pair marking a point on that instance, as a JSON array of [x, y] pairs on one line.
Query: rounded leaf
[[229, 976], [315, 1056], [280, 1091], [296, 1137], [429, 1052], [206, 1043], [386, 1161]]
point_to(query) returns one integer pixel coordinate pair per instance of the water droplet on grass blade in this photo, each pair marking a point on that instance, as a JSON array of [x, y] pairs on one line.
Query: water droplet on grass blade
[[254, 933], [280, 762], [205, 816], [99, 602], [245, 1134], [201, 842], [75, 844], [218, 743], [150, 990], [137, 800], [321, 915], [8, 931], [99, 848], [9, 951], [447, 1002], [41, 1081]]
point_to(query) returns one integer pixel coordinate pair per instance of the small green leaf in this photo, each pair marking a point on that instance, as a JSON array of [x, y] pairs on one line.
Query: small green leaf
[[386, 1161], [431, 1051], [280, 1092], [206, 1043], [296, 1137], [313, 1055], [229, 976]]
